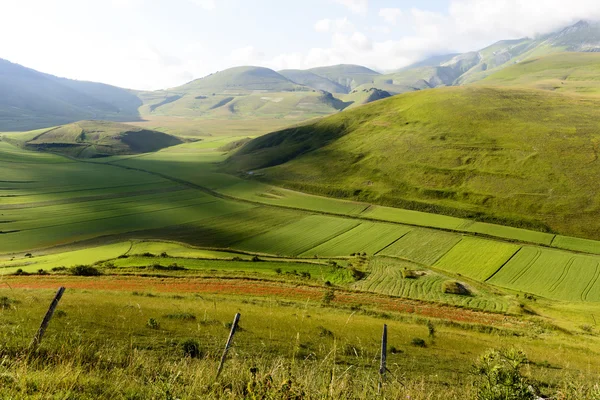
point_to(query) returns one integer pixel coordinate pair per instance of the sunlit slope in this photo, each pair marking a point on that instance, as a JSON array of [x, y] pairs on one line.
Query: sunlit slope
[[519, 157], [90, 139], [563, 72]]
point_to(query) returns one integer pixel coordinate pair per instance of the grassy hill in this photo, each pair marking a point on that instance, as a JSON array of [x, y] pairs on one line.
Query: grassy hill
[[347, 75], [313, 80], [31, 100], [92, 139], [562, 72], [519, 157]]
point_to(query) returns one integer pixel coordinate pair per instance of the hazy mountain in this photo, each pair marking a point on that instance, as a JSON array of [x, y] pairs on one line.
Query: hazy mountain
[[31, 99]]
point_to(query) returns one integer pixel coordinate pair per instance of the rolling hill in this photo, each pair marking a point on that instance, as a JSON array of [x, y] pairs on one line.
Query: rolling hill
[[31, 99], [577, 73], [519, 157], [93, 139]]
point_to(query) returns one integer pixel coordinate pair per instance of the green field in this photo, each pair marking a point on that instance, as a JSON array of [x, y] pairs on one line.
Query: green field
[[551, 274], [299, 236], [423, 246], [478, 259], [386, 278], [367, 238]]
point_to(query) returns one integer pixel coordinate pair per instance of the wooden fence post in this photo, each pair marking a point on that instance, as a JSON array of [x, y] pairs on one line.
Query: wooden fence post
[[236, 319], [382, 364], [37, 339]]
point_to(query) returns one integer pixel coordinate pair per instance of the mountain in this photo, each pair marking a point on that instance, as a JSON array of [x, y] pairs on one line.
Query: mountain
[[347, 75], [519, 157], [93, 139], [313, 80], [242, 93], [31, 99], [461, 69]]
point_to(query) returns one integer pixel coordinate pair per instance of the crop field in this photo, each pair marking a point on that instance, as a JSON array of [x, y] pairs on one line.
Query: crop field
[[423, 246], [511, 233], [477, 258], [552, 274], [299, 236], [576, 244], [386, 278], [368, 237]]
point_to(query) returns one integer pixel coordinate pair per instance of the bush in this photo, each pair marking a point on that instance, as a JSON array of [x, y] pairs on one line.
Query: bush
[[5, 303], [256, 259], [153, 324], [59, 269], [278, 271], [85, 270], [499, 377], [328, 297], [408, 273], [191, 348], [42, 271], [453, 287], [418, 342], [21, 272]]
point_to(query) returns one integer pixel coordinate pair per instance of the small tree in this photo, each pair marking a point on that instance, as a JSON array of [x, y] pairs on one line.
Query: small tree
[[499, 377], [328, 297]]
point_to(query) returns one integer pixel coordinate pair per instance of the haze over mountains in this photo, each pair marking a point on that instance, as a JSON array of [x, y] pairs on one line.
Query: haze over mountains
[[32, 99]]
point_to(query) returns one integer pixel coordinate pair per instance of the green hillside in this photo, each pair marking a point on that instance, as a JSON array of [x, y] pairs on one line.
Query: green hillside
[[562, 72], [313, 80], [31, 100], [519, 157], [92, 139], [347, 75]]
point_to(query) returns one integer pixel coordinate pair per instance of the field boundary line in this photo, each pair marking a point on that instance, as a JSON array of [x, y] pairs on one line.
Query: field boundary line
[[563, 275], [394, 242], [503, 264]]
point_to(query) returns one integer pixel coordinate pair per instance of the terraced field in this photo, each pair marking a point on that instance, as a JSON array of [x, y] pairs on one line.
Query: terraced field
[[477, 258], [552, 274], [386, 278], [423, 246], [368, 237]]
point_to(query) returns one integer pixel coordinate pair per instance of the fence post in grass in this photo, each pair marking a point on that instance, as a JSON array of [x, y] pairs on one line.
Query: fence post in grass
[[236, 319], [37, 339], [382, 364]]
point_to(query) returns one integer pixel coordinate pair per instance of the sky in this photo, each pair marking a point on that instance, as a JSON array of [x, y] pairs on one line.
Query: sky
[[158, 44]]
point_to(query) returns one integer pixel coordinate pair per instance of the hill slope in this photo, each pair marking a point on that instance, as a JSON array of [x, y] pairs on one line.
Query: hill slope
[[520, 157], [92, 139], [561, 72], [31, 99]]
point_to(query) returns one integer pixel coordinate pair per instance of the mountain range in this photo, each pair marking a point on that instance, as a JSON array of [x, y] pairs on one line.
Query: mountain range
[[33, 99]]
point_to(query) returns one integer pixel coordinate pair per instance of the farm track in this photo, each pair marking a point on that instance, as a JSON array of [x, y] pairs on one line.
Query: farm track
[[590, 285], [563, 275], [528, 267]]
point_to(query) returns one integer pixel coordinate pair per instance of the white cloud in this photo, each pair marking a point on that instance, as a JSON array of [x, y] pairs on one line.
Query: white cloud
[[206, 4], [356, 6], [390, 15], [334, 25]]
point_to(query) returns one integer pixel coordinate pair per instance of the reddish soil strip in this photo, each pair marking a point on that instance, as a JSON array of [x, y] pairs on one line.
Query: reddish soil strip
[[261, 289]]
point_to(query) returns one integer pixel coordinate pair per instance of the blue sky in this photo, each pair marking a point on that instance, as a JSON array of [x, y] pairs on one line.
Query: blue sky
[[152, 44]]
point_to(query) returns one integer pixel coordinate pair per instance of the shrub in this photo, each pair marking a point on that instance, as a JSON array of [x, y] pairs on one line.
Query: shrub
[[278, 270], [408, 273], [164, 254], [147, 254], [453, 287], [5, 303], [21, 272], [191, 348], [431, 329], [499, 377], [59, 269], [85, 270], [324, 332], [328, 297], [256, 259], [42, 271], [418, 342], [305, 274], [153, 324], [357, 274]]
